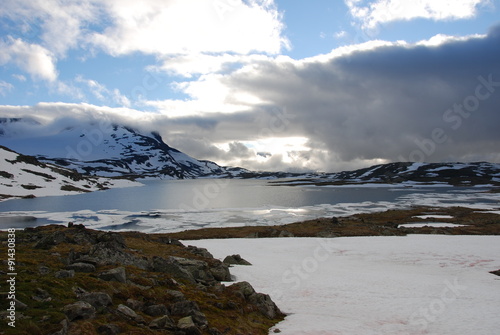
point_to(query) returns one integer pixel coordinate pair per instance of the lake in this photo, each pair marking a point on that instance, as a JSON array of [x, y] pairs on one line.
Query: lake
[[173, 205]]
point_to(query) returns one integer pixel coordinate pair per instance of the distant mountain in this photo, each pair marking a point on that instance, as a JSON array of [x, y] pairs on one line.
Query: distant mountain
[[25, 176], [108, 150], [413, 174], [100, 148]]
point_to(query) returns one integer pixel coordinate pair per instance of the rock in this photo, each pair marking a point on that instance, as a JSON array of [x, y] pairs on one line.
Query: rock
[[129, 313], [136, 305], [110, 253], [172, 268], [235, 260], [221, 272], [497, 272], [262, 301], [97, 299], [164, 322], [118, 274], [176, 295], [156, 310], [111, 240], [80, 310], [187, 325], [184, 308], [198, 269], [199, 251], [199, 319], [41, 295], [83, 237], [243, 288], [65, 274], [81, 267], [51, 240], [109, 329], [78, 291], [265, 305]]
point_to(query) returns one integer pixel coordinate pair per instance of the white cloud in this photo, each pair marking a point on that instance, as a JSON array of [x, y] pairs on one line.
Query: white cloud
[[5, 87], [32, 58], [19, 77], [194, 64], [57, 25], [377, 12], [190, 36], [191, 26], [102, 93]]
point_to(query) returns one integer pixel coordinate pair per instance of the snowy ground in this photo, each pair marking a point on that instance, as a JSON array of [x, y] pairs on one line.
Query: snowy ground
[[417, 284]]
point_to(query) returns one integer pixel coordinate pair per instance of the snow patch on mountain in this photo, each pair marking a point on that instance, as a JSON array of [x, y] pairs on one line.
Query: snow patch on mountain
[[25, 176]]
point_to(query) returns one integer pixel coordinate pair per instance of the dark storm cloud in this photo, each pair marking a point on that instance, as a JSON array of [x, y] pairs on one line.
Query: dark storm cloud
[[394, 102]]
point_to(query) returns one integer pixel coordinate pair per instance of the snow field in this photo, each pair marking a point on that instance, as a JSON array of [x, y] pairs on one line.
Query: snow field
[[417, 284]]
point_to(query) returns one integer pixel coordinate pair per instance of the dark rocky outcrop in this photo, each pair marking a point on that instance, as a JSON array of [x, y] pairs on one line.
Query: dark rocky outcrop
[[262, 301]]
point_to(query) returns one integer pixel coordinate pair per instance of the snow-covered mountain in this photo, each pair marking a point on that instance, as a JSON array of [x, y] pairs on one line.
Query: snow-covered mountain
[[409, 174], [100, 148], [110, 150], [25, 176]]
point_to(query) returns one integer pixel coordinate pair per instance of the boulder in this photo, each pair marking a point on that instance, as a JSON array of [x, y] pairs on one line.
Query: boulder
[[265, 305], [156, 310], [187, 326], [128, 313], [184, 308], [171, 267], [80, 310], [41, 295], [113, 253], [199, 251], [97, 299], [199, 270], [50, 240], [235, 260], [221, 272], [175, 295], [136, 305], [261, 301], [164, 322], [117, 274]]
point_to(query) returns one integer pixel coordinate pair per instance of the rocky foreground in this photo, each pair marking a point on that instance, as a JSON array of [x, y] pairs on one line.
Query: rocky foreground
[[73, 280]]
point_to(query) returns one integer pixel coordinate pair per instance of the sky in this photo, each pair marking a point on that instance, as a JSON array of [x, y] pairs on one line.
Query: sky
[[267, 85]]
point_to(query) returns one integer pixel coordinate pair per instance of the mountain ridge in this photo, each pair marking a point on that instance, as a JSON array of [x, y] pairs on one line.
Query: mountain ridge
[[97, 148]]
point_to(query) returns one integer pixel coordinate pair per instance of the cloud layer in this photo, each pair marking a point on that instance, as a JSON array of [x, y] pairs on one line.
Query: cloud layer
[[388, 103], [371, 14], [391, 102]]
